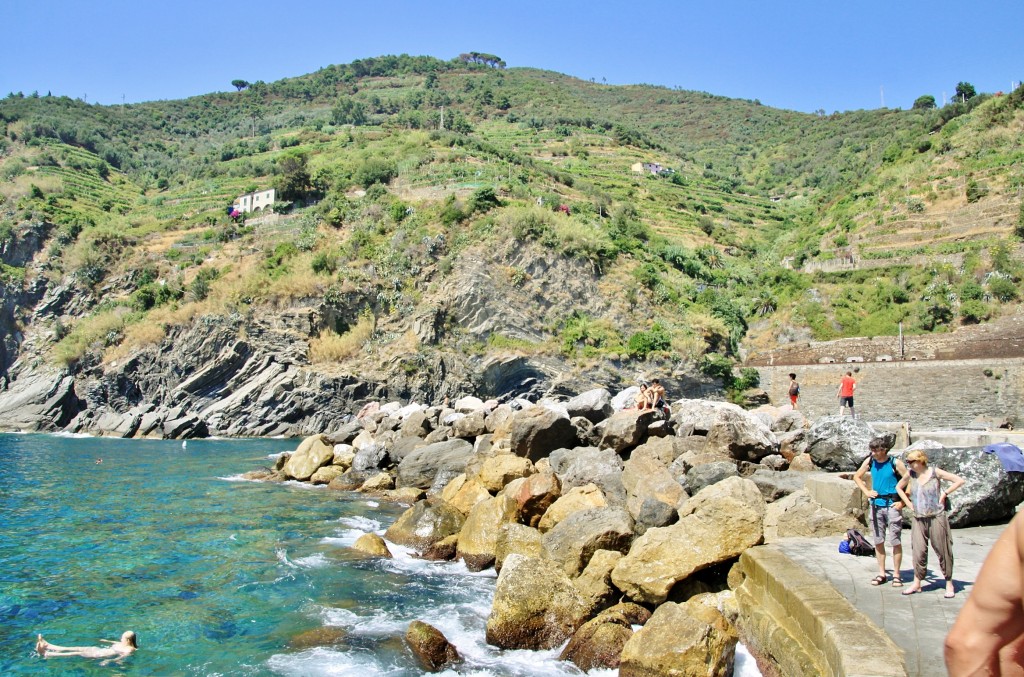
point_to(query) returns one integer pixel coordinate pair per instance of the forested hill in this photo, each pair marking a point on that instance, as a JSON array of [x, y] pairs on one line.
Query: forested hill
[[412, 190]]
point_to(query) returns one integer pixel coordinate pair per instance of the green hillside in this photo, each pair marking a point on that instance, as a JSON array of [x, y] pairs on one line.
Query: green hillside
[[766, 225]]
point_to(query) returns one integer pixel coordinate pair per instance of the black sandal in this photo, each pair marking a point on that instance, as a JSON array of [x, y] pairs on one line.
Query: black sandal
[[878, 580]]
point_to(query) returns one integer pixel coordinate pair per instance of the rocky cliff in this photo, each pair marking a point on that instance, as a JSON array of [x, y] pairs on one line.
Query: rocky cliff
[[247, 371]]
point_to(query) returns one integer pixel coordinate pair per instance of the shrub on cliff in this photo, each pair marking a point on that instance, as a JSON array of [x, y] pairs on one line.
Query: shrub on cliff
[[330, 346]]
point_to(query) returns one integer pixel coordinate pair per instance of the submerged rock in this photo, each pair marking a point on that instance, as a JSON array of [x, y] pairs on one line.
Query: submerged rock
[[372, 544], [431, 648]]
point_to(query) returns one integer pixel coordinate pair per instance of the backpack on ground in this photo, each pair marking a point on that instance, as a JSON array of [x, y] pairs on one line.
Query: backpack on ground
[[858, 544]]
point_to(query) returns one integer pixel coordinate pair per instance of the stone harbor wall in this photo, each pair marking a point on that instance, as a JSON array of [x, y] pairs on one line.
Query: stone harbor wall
[[926, 394]]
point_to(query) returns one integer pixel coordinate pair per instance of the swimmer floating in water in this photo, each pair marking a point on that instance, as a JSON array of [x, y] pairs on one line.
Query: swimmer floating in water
[[117, 650]]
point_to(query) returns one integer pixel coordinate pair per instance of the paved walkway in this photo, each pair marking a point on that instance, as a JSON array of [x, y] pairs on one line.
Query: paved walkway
[[917, 623]]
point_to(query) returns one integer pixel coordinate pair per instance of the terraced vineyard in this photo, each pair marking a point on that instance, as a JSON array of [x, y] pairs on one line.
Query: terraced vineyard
[[793, 224]]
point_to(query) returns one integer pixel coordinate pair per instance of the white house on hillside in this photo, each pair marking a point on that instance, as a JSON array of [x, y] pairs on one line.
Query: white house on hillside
[[254, 202]]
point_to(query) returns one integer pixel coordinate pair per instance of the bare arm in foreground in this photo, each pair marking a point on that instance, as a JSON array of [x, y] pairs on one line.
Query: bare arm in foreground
[[987, 636]]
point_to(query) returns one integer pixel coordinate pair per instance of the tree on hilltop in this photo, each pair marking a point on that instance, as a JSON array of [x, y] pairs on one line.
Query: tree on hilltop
[[487, 59], [964, 91], [239, 85], [924, 102]]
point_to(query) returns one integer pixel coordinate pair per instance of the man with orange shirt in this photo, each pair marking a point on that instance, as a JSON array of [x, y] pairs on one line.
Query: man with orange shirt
[[846, 387]]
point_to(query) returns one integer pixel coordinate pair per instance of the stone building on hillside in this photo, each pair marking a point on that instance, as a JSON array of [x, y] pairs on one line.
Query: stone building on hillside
[[254, 202]]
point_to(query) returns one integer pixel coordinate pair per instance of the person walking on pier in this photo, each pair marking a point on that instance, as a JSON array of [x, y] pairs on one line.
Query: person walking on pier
[[924, 484], [886, 506], [847, 386], [794, 390]]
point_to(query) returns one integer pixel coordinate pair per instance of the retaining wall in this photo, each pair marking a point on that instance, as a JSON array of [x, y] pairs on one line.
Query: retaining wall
[[932, 394], [806, 628]]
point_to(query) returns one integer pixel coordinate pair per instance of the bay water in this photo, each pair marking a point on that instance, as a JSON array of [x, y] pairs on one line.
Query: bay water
[[216, 575]]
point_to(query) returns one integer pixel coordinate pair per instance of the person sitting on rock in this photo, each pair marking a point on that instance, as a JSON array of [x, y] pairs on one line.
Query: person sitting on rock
[[643, 398], [656, 394], [116, 651]]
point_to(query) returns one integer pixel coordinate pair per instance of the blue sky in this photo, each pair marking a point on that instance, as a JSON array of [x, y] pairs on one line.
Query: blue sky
[[795, 54]]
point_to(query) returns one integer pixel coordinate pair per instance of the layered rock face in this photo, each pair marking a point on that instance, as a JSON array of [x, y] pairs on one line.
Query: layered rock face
[[247, 371]]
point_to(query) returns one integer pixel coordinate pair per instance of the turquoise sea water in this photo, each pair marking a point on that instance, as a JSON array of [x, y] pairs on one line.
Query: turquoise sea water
[[217, 576]]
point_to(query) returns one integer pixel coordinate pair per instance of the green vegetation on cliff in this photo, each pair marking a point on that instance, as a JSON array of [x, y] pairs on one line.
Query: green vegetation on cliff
[[762, 226]]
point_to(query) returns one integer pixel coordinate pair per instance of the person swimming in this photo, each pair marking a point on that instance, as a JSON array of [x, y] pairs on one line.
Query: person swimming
[[117, 650]]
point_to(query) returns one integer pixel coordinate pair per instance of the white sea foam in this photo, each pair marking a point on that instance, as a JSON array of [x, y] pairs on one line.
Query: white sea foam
[[364, 524], [314, 561], [745, 665], [372, 504], [238, 478], [304, 485], [74, 436], [327, 662], [278, 454]]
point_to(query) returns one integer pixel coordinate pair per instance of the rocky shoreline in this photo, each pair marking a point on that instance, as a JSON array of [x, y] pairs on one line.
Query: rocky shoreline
[[600, 519]]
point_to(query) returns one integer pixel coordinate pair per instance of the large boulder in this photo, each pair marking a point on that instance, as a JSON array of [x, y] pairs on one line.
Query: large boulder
[[697, 417], [499, 470], [839, 443], [716, 525], [421, 467], [313, 453], [425, 523], [479, 535], [706, 474], [326, 474], [652, 493], [431, 648], [588, 465], [471, 425], [578, 498], [516, 539], [595, 583], [799, 515], [535, 605], [593, 405], [775, 484], [690, 639], [371, 457], [599, 642], [536, 495], [624, 430], [416, 424], [536, 431], [463, 493], [789, 421], [989, 493], [740, 435], [575, 539]]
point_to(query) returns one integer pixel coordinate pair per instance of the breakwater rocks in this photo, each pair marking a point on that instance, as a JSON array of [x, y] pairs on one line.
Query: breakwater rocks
[[600, 519]]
